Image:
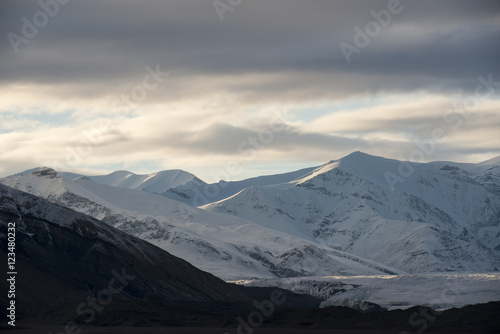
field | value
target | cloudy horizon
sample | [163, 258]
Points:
[269, 86]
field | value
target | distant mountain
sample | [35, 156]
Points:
[227, 246]
[199, 193]
[361, 214]
[416, 217]
[155, 182]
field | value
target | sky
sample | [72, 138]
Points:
[239, 88]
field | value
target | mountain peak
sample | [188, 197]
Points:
[363, 165]
[355, 156]
[356, 153]
[359, 156]
[46, 172]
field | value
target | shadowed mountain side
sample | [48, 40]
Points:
[65, 259]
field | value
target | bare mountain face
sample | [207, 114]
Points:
[73, 267]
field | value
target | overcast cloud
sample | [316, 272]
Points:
[271, 68]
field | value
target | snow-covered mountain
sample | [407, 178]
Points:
[199, 193]
[227, 246]
[155, 182]
[361, 215]
[416, 217]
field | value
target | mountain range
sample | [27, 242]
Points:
[443, 216]
[358, 215]
[229, 247]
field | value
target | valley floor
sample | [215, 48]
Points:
[480, 318]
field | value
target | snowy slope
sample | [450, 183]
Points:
[155, 183]
[65, 258]
[486, 173]
[342, 217]
[440, 217]
[224, 245]
[438, 291]
[198, 193]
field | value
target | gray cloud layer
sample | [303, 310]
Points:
[282, 53]
[429, 45]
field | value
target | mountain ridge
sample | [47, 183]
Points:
[227, 246]
[443, 216]
[438, 209]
